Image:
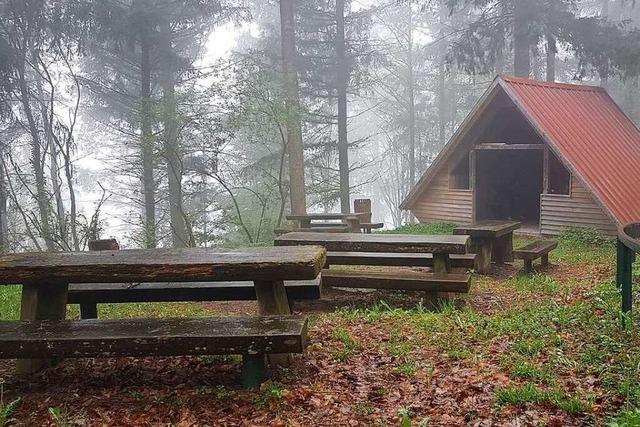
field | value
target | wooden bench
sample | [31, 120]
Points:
[538, 249]
[45, 279]
[338, 228]
[396, 250]
[393, 259]
[91, 294]
[367, 227]
[253, 338]
[406, 280]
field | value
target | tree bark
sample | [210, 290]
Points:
[295, 148]
[42, 197]
[172, 150]
[551, 58]
[4, 227]
[147, 143]
[342, 80]
[411, 98]
[521, 39]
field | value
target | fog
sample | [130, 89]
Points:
[204, 123]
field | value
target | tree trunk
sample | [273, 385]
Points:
[551, 58]
[42, 197]
[4, 227]
[342, 80]
[147, 144]
[411, 97]
[295, 147]
[521, 39]
[172, 151]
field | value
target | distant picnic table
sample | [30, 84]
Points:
[45, 278]
[491, 241]
[351, 222]
[396, 250]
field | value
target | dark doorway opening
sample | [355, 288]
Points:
[508, 185]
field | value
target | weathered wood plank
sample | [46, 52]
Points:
[535, 249]
[400, 243]
[182, 292]
[395, 259]
[157, 337]
[487, 229]
[405, 280]
[163, 265]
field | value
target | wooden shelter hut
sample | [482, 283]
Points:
[550, 155]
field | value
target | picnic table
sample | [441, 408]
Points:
[306, 221]
[491, 241]
[45, 278]
[363, 246]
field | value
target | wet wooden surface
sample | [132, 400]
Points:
[181, 292]
[162, 265]
[157, 337]
[398, 243]
[487, 229]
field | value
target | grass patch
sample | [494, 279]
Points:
[529, 394]
[431, 228]
[349, 345]
[10, 302]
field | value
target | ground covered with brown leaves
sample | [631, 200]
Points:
[540, 350]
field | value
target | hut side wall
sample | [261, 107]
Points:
[439, 203]
[578, 210]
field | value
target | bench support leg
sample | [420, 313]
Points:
[253, 370]
[272, 301]
[528, 266]
[89, 310]
[44, 302]
[441, 264]
[544, 260]
[483, 250]
[503, 249]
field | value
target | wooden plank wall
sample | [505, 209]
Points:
[439, 203]
[580, 210]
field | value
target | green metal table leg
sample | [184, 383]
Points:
[625, 258]
[253, 370]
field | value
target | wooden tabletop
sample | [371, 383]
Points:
[163, 265]
[400, 243]
[323, 216]
[488, 229]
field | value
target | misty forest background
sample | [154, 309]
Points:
[204, 122]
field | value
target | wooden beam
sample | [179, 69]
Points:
[505, 146]
[545, 171]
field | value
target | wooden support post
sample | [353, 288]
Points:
[441, 265]
[483, 248]
[503, 249]
[528, 266]
[272, 301]
[544, 260]
[253, 370]
[354, 224]
[88, 310]
[41, 302]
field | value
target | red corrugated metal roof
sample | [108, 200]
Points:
[591, 133]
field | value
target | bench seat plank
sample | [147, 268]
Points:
[535, 250]
[393, 259]
[182, 292]
[155, 337]
[400, 280]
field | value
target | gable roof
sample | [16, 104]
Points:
[584, 127]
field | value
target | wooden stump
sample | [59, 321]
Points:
[41, 303]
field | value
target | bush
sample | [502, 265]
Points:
[585, 236]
